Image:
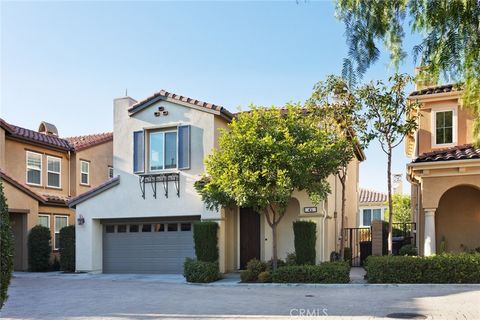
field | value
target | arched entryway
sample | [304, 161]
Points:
[457, 220]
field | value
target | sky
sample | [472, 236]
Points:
[65, 62]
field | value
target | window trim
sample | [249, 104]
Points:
[382, 214]
[48, 217]
[150, 132]
[41, 168]
[436, 110]
[55, 247]
[59, 173]
[87, 173]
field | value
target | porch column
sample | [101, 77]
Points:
[429, 233]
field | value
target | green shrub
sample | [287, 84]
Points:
[39, 249]
[280, 263]
[6, 248]
[256, 267]
[408, 250]
[206, 240]
[200, 271]
[305, 238]
[347, 255]
[291, 259]
[445, 268]
[326, 272]
[67, 249]
[264, 277]
[247, 276]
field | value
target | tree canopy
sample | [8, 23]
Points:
[450, 46]
[401, 208]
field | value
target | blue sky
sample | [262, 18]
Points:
[65, 62]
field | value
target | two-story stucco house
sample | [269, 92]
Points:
[40, 172]
[141, 220]
[444, 172]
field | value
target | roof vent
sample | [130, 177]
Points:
[48, 128]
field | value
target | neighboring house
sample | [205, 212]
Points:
[371, 206]
[40, 171]
[444, 172]
[141, 220]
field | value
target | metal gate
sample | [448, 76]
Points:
[359, 240]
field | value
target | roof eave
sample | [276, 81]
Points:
[72, 203]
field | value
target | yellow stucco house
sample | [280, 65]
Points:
[40, 172]
[444, 172]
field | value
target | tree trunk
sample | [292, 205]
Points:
[390, 203]
[342, 178]
[274, 246]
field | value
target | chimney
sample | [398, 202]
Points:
[48, 129]
[422, 79]
[122, 133]
[397, 183]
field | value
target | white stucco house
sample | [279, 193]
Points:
[140, 221]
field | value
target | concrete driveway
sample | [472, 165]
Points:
[55, 296]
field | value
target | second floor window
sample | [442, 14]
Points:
[368, 215]
[163, 150]
[84, 172]
[53, 171]
[34, 168]
[444, 127]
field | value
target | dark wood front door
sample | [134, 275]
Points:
[249, 236]
[17, 223]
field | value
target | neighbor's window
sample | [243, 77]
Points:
[444, 127]
[34, 168]
[371, 214]
[163, 150]
[84, 172]
[44, 220]
[53, 171]
[60, 222]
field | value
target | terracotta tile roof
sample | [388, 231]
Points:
[56, 199]
[162, 94]
[37, 137]
[463, 152]
[6, 126]
[87, 141]
[369, 196]
[437, 89]
[22, 186]
[94, 191]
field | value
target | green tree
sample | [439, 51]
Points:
[335, 106]
[402, 208]
[264, 156]
[450, 43]
[6, 248]
[386, 110]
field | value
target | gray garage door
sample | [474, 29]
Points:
[139, 247]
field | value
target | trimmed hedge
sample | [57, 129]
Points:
[326, 272]
[253, 270]
[347, 255]
[67, 249]
[206, 240]
[445, 268]
[6, 248]
[200, 271]
[408, 250]
[305, 237]
[39, 249]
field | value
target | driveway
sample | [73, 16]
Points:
[55, 296]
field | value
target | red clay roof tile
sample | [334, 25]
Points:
[368, 196]
[463, 152]
[87, 141]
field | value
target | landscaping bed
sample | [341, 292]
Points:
[445, 268]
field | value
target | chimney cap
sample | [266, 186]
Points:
[48, 128]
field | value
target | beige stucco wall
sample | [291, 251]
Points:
[15, 165]
[19, 201]
[2, 148]
[464, 124]
[100, 157]
[457, 219]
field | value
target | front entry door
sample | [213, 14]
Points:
[249, 236]
[16, 221]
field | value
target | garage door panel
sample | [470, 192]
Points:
[146, 252]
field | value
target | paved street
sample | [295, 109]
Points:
[55, 296]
